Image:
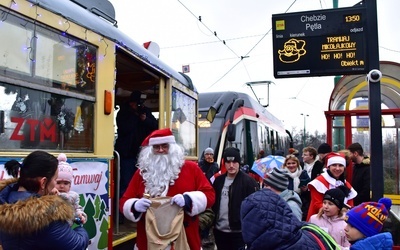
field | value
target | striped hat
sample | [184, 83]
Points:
[368, 217]
[278, 179]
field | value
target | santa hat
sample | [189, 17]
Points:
[64, 169]
[158, 137]
[335, 158]
[368, 217]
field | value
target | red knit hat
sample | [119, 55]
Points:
[160, 136]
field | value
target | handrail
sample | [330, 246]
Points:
[117, 173]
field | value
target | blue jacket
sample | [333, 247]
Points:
[269, 223]
[382, 241]
[30, 221]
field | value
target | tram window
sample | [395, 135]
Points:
[42, 55]
[183, 121]
[40, 120]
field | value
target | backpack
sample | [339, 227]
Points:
[324, 240]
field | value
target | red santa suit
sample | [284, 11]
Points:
[323, 183]
[191, 182]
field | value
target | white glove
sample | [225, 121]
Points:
[142, 205]
[178, 200]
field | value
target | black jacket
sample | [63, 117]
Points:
[132, 131]
[242, 186]
[361, 181]
[209, 169]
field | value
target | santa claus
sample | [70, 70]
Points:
[163, 172]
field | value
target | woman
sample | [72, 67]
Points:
[292, 164]
[331, 178]
[31, 217]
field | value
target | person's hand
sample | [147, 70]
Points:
[143, 116]
[303, 188]
[142, 205]
[83, 219]
[54, 191]
[178, 200]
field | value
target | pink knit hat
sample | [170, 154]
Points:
[64, 169]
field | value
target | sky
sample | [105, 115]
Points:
[245, 26]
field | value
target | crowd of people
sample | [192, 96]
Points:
[181, 204]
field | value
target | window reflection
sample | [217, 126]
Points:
[39, 120]
[183, 121]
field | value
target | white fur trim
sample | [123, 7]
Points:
[321, 188]
[199, 202]
[161, 140]
[127, 210]
[336, 160]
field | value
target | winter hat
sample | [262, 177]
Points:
[136, 96]
[335, 158]
[159, 136]
[324, 148]
[232, 154]
[278, 179]
[336, 196]
[368, 217]
[209, 151]
[304, 178]
[64, 169]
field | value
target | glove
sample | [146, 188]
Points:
[178, 200]
[142, 205]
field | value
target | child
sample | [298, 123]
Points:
[331, 216]
[364, 224]
[63, 186]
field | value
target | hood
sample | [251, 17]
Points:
[33, 214]
[291, 195]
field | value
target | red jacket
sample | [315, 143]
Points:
[319, 186]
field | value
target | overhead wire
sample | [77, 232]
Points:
[213, 32]
[247, 54]
[210, 42]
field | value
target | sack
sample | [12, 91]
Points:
[323, 238]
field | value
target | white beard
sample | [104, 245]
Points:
[160, 170]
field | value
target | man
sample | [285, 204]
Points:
[278, 181]
[163, 172]
[361, 178]
[310, 162]
[207, 165]
[313, 167]
[323, 150]
[231, 189]
[209, 168]
[134, 122]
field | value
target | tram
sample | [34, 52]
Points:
[65, 68]
[236, 119]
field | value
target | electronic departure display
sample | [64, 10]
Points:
[320, 43]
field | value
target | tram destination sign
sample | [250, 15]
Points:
[320, 43]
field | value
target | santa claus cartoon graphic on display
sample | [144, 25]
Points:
[166, 194]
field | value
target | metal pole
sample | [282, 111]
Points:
[375, 119]
[304, 130]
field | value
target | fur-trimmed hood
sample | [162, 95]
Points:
[31, 214]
